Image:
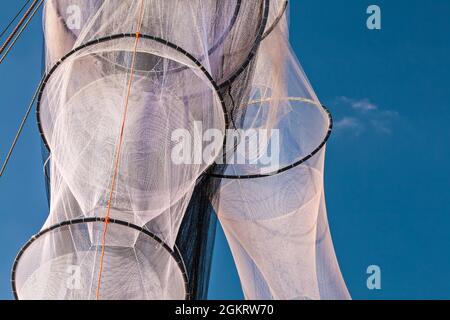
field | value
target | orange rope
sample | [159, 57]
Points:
[119, 147]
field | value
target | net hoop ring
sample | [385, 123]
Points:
[297, 163]
[254, 50]
[175, 254]
[46, 78]
[277, 20]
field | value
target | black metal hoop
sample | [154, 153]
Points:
[295, 164]
[174, 253]
[47, 77]
[276, 21]
[261, 35]
[254, 49]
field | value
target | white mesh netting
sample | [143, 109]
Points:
[274, 213]
[122, 77]
[55, 265]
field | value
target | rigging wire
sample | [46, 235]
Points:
[22, 29]
[19, 24]
[14, 19]
[28, 16]
[19, 132]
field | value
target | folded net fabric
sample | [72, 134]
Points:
[161, 61]
[126, 220]
[272, 207]
[220, 34]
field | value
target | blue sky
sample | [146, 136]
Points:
[387, 176]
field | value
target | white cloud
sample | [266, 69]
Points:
[348, 123]
[362, 114]
[360, 105]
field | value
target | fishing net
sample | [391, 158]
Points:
[270, 201]
[130, 89]
[55, 264]
[220, 34]
[81, 112]
[81, 107]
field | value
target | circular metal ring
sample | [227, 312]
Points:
[47, 77]
[295, 164]
[174, 253]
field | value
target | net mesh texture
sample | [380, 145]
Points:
[125, 221]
